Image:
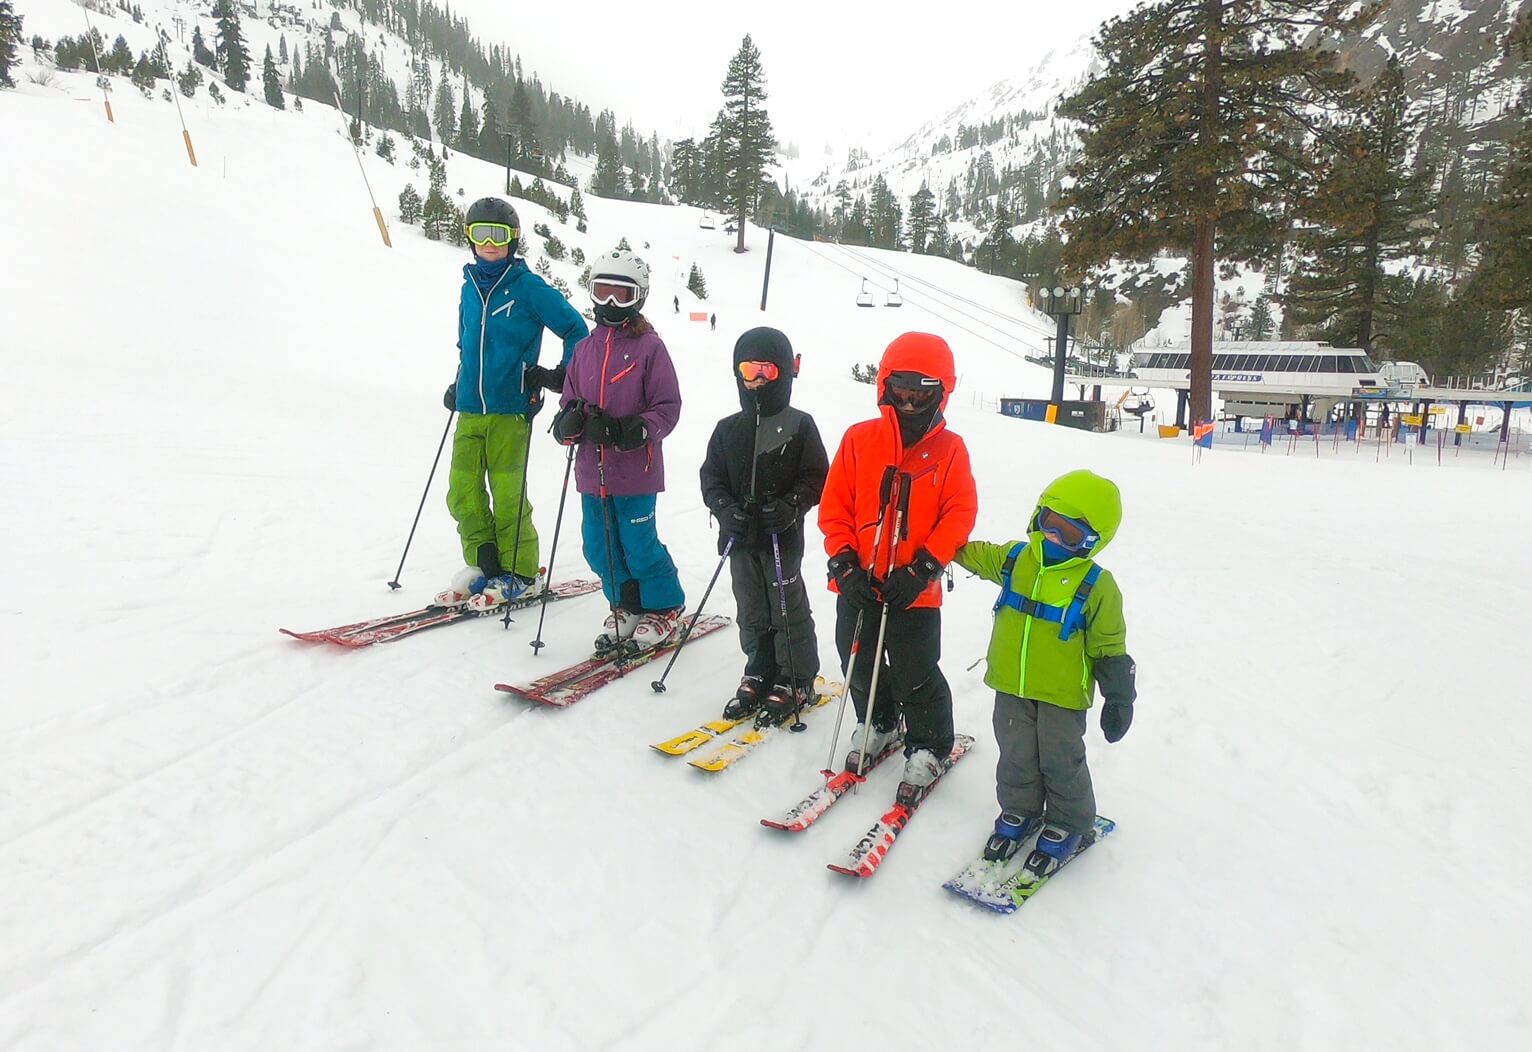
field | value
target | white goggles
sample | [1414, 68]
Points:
[613, 292]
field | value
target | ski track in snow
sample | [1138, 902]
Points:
[212, 836]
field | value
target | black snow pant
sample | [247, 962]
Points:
[911, 683]
[759, 610]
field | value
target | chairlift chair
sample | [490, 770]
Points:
[894, 299]
[864, 298]
[706, 222]
[1143, 402]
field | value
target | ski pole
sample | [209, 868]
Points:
[787, 635]
[558, 524]
[658, 686]
[884, 492]
[521, 510]
[877, 654]
[394, 584]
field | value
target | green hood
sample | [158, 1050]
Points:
[1081, 495]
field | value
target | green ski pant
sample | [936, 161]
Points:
[494, 447]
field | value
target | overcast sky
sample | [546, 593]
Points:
[848, 74]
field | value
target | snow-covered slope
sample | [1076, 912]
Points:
[223, 398]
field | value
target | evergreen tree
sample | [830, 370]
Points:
[697, 283]
[1503, 279]
[120, 60]
[745, 138]
[577, 205]
[189, 79]
[200, 51]
[884, 214]
[922, 218]
[437, 213]
[446, 110]
[1365, 212]
[519, 123]
[10, 32]
[272, 82]
[468, 125]
[609, 179]
[282, 49]
[409, 204]
[1187, 136]
[231, 45]
[491, 146]
[143, 75]
[1261, 322]
[385, 147]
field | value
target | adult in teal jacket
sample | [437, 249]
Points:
[502, 313]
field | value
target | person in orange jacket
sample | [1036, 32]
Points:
[902, 472]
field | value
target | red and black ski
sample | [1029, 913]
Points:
[565, 687]
[397, 626]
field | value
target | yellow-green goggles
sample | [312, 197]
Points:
[497, 234]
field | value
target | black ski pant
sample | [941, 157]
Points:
[759, 611]
[911, 683]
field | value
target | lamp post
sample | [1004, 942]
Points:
[1061, 301]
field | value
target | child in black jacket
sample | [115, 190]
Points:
[765, 467]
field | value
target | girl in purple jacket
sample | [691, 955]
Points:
[620, 400]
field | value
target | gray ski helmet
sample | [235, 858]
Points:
[494, 210]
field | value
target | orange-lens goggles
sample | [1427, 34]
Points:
[759, 370]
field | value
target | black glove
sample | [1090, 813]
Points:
[535, 406]
[734, 521]
[847, 573]
[779, 515]
[905, 584]
[1116, 676]
[449, 399]
[535, 378]
[569, 427]
[632, 432]
[1116, 718]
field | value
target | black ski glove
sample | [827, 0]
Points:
[569, 426]
[779, 515]
[905, 584]
[847, 573]
[632, 432]
[535, 378]
[734, 521]
[1115, 675]
[449, 398]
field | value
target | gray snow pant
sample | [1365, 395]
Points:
[1042, 768]
[759, 610]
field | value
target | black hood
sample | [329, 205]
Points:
[765, 345]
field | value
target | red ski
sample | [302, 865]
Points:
[875, 845]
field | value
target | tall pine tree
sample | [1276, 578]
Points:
[231, 45]
[446, 111]
[1503, 279]
[10, 32]
[922, 219]
[271, 81]
[1187, 136]
[745, 139]
[1368, 209]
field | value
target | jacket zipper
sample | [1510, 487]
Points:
[483, 324]
[1026, 638]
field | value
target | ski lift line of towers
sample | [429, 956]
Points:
[1257, 379]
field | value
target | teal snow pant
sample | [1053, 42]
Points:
[492, 448]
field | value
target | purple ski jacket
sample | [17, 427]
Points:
[626, 375]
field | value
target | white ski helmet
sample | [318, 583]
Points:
[622, 268]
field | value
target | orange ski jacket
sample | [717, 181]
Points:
[934, 472]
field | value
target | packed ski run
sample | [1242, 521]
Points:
[249, 843]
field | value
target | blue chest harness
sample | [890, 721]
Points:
[1070, 619]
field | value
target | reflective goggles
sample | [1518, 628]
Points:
[913, 399]
[758, 371]
[1073, 535]
[497, 234]
[611, 292]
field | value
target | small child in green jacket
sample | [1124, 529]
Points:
[1059, 633]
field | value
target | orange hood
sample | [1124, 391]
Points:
[918, 352]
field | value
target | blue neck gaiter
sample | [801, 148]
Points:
[486, 274]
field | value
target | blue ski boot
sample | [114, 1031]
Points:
[1054, 848]
[1011, 831]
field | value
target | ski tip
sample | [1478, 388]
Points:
[845, 871]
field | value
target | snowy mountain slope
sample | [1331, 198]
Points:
[221, 414]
